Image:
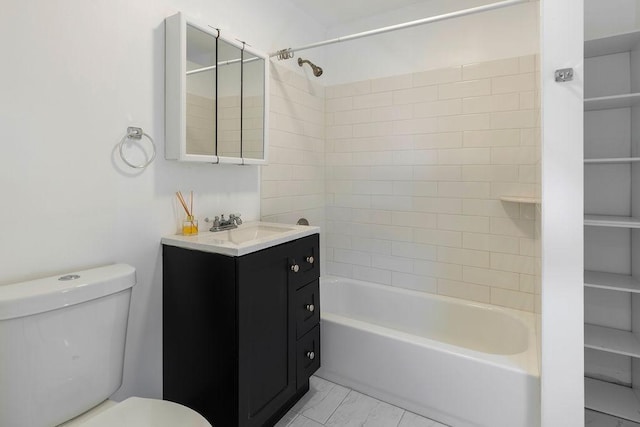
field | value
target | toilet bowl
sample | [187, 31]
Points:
[139, 412]
[62, 342]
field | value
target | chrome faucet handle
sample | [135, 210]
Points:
[236, 218]
[216, 221]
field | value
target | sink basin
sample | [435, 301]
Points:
[248, 237]
[253, 231]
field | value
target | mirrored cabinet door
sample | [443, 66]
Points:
[216, 100]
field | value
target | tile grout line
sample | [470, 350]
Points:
[339, 404]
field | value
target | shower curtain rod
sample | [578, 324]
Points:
[288, 53]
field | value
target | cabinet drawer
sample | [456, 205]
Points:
[307, 308]
[308, 355]
[304, 261]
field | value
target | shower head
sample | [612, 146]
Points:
[317, 71]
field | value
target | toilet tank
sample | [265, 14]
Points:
[62, 342]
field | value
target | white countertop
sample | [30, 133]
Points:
[221, 242]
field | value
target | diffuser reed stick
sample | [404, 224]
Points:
[190, 225]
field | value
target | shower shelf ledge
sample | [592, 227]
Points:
[520, 199]
[612, 399]
[611, 281]
[611, 340]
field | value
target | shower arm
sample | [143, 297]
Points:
[288, 52]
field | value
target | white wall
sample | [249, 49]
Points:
[562, 216]
[74, 75]
[609, 17]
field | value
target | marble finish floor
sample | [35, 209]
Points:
[597, 419]
[330, 405]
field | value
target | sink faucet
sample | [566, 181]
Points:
[220, 223]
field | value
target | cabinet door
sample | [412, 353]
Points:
[304, 260]
[267, 365]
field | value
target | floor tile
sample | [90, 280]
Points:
[359, 410]
[596, 419]
[322, 399]
[409, 419]
[287, 420]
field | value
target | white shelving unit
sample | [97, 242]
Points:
[612, 328]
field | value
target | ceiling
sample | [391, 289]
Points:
[337, 12]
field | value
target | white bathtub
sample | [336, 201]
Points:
[458, 362]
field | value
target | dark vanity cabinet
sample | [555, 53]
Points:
[241, 335]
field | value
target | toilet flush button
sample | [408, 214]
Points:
[69, 277]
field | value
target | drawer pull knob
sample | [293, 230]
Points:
[295, 268]
[311, 355]
[310, 259]
[310, 307]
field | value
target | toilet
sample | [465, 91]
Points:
[62, 343]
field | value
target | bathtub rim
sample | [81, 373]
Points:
[525, 362]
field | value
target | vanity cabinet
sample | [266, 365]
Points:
[241, 334]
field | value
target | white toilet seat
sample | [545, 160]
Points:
[139, 412]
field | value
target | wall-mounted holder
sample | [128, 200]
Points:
[564, 75]
[136, 133]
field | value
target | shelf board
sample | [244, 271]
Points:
[613, 160]
[611, 221]
[617, 43]
[609, 102]
[611, 281]
[611, 399]
[611, 340]
[519, 199]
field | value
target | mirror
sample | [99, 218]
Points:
[216, 96]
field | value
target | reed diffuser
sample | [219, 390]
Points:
[190, 224]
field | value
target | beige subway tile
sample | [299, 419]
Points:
[438, 140]
[365, 130]
[392, 173]
[372, 158]
[491, 243]
[527, 64]
[307, 173]
[527, 246]
[274, 172]
[390, 202]
[437, 269]
[530, 137]
[340, 269]
[349, 172]
[414, 219]
[527, 100]
[464, 122]
[415, 188]
[340, 241]
[393, 263]
[352, 201]
[373, 100]
[493, 278]
[489, 173]
[352, 117]
[499, 189]
[348, 89]
[526, 155]
[499, 67]
[437, 173]
[476, 224]
[339, 104]
[513, 263]
[371, 216]
[374, 246]
[415, 126]
[276, 205]
[464, 156]
[333, 159]
[386, 84]
[340, 131]
[375, 275]
[463, 290]
[414, 282]
[446, 107]
[415, 95]
[464, 89]
[512, 227]
[339, 187]
[438, 237]
[491, 138]
[352, 257]
[513, 119]
[527, 283]
[492, 103]
[527, 174]
[464, 190]
[415, 157]
[394, 112]
[463, 256]
[392, 232]
[527, 211]
[517, 83]
[414, 250]
[372, 187]
[437, 205]
[486, 207]
[437, 76]
[512, 299]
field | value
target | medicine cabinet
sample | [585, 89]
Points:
[216, 100]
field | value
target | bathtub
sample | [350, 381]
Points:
[457, 362]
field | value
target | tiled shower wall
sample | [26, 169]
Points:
[416, 165]
[405, 175]
[293, 183]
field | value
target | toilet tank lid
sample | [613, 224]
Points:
[50, 293]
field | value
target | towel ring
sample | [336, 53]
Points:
[137, 133]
